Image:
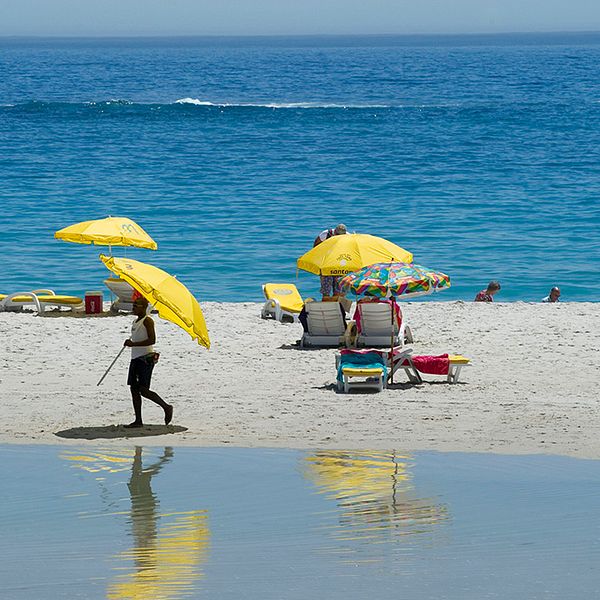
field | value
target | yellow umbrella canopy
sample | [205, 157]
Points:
[112, 231]
[343, 254]
[169, 296]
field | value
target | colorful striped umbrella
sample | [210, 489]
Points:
[390, 280]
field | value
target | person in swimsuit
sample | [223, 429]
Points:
[487, 295]
[143, 336]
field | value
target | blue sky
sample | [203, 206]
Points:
[293, 17]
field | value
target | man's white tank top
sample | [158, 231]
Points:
[138, 334]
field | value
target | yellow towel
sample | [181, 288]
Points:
[458, 359]
[352, 372]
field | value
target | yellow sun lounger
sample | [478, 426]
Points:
[283, 302]
[373, 377]
[39, 300]
[457, 362]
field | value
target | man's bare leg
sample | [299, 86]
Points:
[158, 400]
[136, 398]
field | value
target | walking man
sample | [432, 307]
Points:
[143, 336]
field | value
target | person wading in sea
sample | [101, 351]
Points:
[143, 336]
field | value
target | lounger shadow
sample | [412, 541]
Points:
[117, 431]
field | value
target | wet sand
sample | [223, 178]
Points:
[532, 387]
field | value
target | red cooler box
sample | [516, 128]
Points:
[93, 302]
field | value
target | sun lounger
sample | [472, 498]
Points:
[326, 325]
[283, 302]
[449, 365]
[457, 362]
[366, 368]
[376, 326]
[123, 292]
[38, 300]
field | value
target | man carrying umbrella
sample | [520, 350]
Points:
[143, 336]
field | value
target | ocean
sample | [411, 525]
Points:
[479, 154]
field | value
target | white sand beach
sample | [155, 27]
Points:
[532, 386]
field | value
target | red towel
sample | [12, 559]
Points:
[434, 365]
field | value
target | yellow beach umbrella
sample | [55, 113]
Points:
[173, 301]
[343, 254]
[112, 231]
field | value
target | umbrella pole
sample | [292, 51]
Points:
[392, 307]
[111, 366]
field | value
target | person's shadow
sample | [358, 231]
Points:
[117, 431]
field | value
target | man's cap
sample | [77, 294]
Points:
[340, 229]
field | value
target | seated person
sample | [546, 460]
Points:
[487, 295]
[303, 317]
[553, 296]
[397, 311]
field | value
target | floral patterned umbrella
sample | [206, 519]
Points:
[390, 280]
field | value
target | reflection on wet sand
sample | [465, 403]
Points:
[375, 496]
[168, 548]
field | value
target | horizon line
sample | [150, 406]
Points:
[295, 35]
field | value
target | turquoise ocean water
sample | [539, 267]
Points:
[481, 155]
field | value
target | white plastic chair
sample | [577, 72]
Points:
[123, 292]
[326, 324]
[376, 326]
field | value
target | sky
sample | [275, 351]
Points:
[292, 17]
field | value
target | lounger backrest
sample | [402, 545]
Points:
[286, 293]
[375, 318]
[119, 287]
[325, 318]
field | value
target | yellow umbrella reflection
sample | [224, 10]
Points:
[374, 493]
[168, 548]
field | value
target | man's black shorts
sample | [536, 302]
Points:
[140, 372]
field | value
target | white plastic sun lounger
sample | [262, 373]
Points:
[123, 292]
[38, 300]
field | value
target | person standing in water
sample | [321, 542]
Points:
[143, 336]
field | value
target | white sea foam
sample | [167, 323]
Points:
[197, 102]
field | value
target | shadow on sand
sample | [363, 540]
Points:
[117, 431]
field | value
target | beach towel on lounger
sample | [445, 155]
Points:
[361, 360]
[434, 365]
